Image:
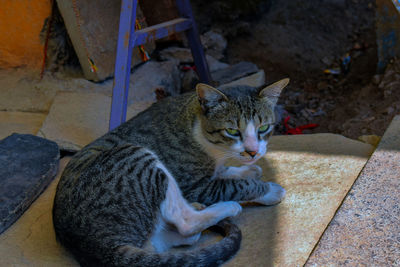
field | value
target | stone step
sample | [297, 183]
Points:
[366, 229]
[75, 118]
[316, 170]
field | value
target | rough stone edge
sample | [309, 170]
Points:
[21, 209]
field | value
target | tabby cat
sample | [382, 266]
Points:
[123, 200]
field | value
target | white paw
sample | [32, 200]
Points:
[234, 207]
[252, 172]
[274, 196]
[227, 208]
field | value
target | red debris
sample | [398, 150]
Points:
[299, 129]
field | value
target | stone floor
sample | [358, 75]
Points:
[319, 223]
[317, 171]
[366, 229]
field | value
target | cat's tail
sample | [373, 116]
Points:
[213, 255]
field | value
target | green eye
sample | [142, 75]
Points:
[263, 128]
[233, 132]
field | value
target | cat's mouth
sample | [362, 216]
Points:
[249, 161]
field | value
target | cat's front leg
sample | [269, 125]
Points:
[242, 172]
[275, 195]
[215, 190]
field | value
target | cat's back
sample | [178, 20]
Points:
[158, 123]
[168, 110]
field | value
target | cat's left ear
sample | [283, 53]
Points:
[273, 91]
[209, 96]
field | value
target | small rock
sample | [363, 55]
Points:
[356, 54]
[357, 46]
[322, 85]
[214, 44]
[184, 56]
[370, 139]
[27, 165]
[369, 119]
[389, 110]
[387, 94]
[306, 114]
[293, 108]
[318, 113]
[313, 103]
[327, 61]
[234, 72]
[376, 79]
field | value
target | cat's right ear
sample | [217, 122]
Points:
[273, 91]
[209, 96]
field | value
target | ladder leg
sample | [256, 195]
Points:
[126, 42]
[192, 35]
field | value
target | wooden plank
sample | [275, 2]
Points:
[185, 10]
[126, 41]
[162, 30]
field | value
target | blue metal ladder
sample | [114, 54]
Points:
[128, 38]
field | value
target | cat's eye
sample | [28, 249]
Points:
[233, 132]
[264, 128]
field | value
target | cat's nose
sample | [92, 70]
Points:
[252, 153]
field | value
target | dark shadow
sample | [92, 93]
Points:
[324, 143]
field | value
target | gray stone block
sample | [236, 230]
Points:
[234, 72]
[184, 55]
[153, 75]
[27, 165]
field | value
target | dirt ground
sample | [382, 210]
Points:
[301, 39]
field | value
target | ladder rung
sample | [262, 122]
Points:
[162, 30]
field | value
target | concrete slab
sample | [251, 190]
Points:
[366, 229]
[20, 122]
[20, 93]
[93, 28]
[75, 119]
[22, 90]
[317, 171]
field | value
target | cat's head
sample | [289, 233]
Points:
[236, 122]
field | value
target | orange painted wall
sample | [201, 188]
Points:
[20, 24]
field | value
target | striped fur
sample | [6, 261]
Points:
[117, 191]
